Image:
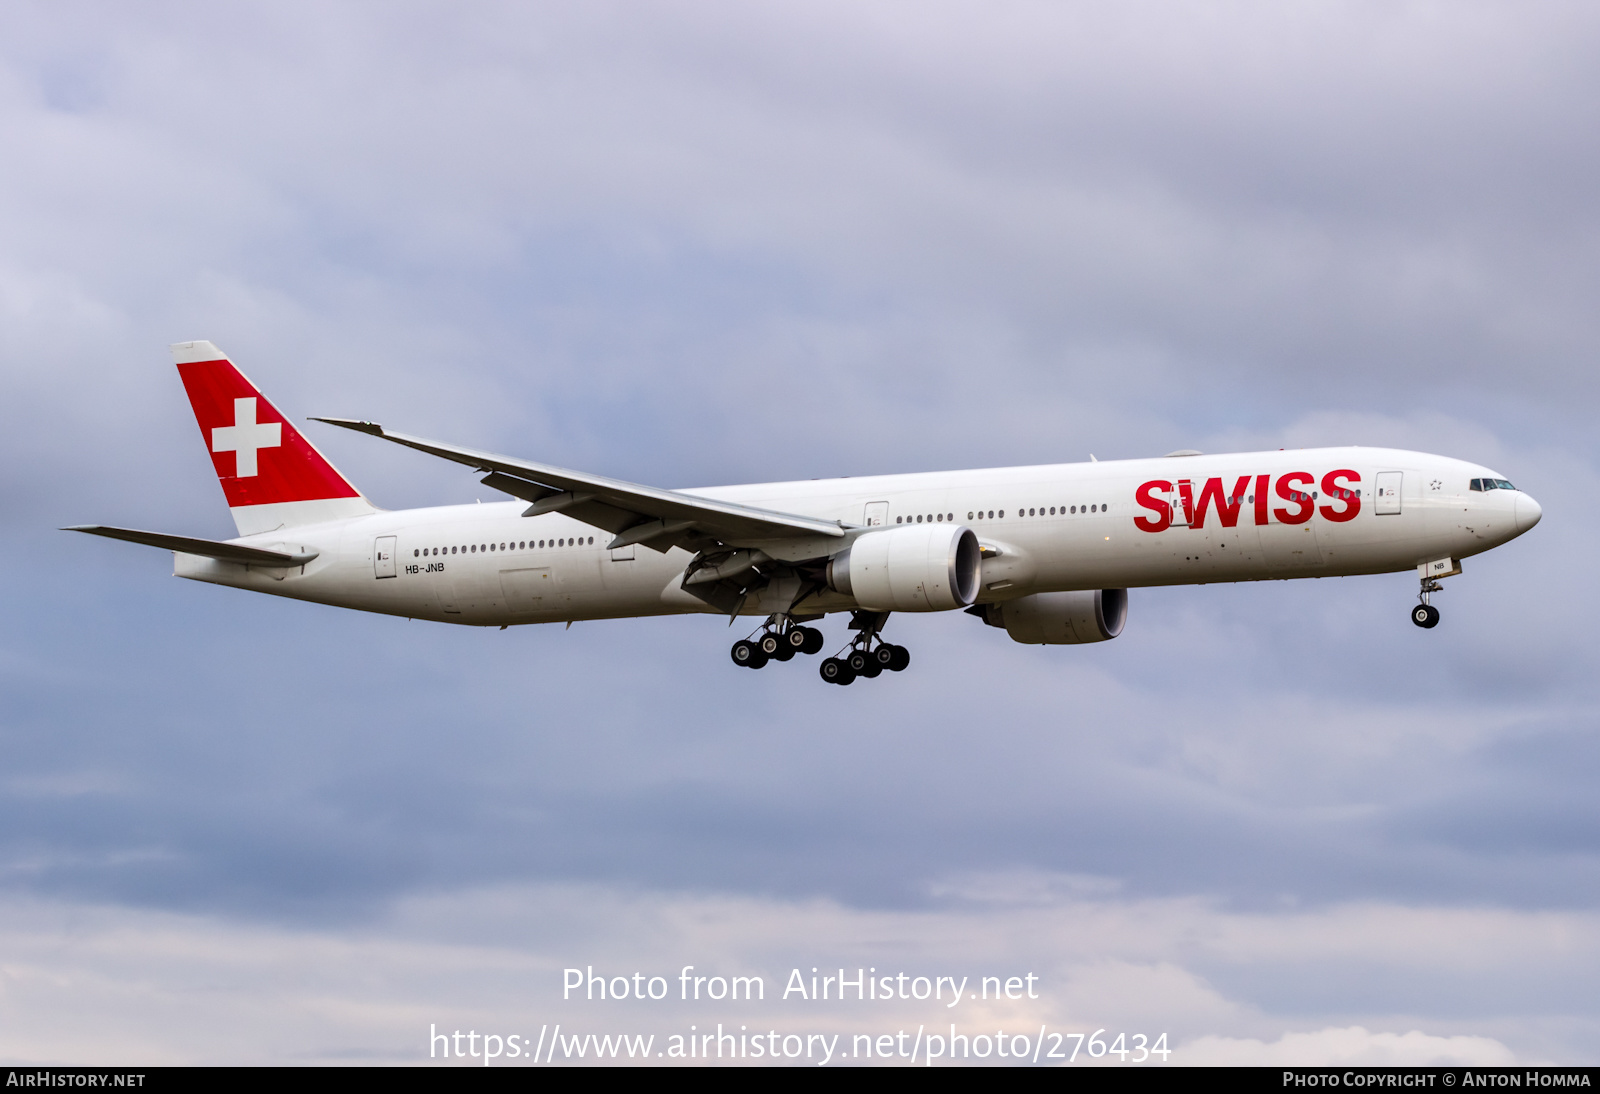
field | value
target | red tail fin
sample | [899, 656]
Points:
[270, 474]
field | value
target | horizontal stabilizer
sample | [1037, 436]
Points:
[209, 548]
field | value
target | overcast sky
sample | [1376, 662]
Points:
[701, 243]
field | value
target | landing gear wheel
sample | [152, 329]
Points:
[899, 659]
[774, 647]
[835, 671]
[864, 664]
[1425, 616]
[748, 654]
[814, 641]
[796, 638]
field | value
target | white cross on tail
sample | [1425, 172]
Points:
[245, 437]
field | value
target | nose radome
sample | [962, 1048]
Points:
[1528, 512]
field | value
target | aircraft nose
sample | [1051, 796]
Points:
[1528, 512]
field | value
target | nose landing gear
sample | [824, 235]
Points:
[1425, 615]
[862, 657]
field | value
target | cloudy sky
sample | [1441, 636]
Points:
[702, 243]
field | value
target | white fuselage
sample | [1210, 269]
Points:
[487, 565]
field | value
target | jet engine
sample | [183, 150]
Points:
[915, 568]
[1093, 615]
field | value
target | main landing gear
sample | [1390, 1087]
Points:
[1425, 615]
[862, 657]
[779, 640]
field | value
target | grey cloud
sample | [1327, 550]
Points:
[691, 244]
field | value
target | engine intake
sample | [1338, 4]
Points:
[916, 568]
[1057, 619]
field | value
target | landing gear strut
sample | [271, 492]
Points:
[779, 639]
[866, 655]
[1425, 615]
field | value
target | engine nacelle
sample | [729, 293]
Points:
[1056, 619]
[915, 568]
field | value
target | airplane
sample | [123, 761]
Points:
[1047, 553]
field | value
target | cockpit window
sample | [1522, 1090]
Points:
[1491, 484]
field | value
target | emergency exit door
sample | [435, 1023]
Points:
[877, 514]
[383, 557]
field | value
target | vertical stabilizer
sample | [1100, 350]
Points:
[271, 475]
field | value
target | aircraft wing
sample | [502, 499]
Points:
[658, 519]
[209, 548]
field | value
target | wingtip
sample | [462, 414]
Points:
[373, 428]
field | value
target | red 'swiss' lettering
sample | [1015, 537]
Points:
[1341, 493]
[1227, 507]
[1146, 497]
[1289, 490]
